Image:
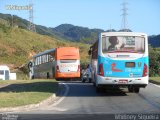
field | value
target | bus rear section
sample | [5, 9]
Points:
[67, 63]
[123, 65]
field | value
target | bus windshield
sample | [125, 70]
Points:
[111, 44]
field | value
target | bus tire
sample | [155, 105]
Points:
[94, 84]
[98, 89]
[32, 77]
[130, 89]
[136, 89]
[94, 80]
[48, 76]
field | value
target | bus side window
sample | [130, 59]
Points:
[39, 60]
[95, 51]
[42, 61]
[35, 61]
[52, 56]
[47, 58]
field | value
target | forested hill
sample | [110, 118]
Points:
[68, 32]
[77, 33]
[154, 40]
[63, 31]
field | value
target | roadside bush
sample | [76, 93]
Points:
[154, 62]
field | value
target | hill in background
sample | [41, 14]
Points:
[154, 40]
[64, 31]
[67, 31]
[77, 33]
[17, 45]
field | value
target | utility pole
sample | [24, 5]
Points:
[12, 21]
[124, 15]
[31, 26]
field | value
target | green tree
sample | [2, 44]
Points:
[154, 62]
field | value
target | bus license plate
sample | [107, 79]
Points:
[123, 81]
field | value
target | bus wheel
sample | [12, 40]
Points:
[94, 84]
[32, 77]
[130, 89]
[136, 89]
[99, 89]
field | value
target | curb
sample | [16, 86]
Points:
[28, 107]
[1, 86]
[154, 82]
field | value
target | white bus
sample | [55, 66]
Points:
[120, 59]
[4, 72]
[62, 62]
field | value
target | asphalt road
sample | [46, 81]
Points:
[81, 98]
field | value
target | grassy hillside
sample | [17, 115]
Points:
[17, 45]
[64, 31]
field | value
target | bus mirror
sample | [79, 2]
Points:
[30, 64]
[89, 52]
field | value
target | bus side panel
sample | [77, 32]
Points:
[94, 69]
[44, 70]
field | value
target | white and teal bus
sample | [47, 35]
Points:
[120, 59]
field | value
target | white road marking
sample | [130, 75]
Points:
[59, 109]
[64, 95]
[155, 85]
[54, 109]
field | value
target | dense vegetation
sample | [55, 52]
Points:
[154, 61]
[78, 34]
[154, 40]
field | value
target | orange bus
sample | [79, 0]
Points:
[62, 62]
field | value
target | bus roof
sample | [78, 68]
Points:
[123, 33]
[43, 53]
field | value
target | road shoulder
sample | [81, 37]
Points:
[154, 82]
[53, 100]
